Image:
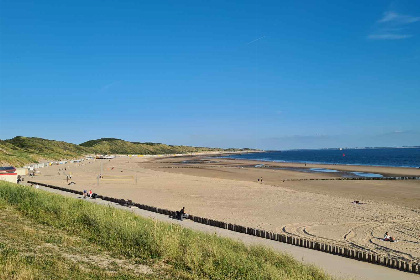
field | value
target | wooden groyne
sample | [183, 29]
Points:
[316, 179]
[358, 178]
[356, 254]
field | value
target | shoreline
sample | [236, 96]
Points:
[320, 162]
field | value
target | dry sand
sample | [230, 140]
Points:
[228, 190]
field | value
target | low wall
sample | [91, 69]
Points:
[9, 177]
[280, 237]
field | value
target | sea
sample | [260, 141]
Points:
[395, 157]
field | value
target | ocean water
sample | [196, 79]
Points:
[398, 157]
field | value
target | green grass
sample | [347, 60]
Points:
[29, 250]
[178, 252]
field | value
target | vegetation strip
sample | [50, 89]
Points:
[189, 254]
[297, 241]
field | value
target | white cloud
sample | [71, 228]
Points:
[398, 18]
[388, 16]
[253, 41]
[107, 86]
[389, 36]
[392, 26]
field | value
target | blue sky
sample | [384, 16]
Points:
[259, 74]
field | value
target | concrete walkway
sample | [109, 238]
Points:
[336, 266]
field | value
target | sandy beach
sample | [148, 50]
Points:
[228, 190]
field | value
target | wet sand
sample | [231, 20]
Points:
[228, 190]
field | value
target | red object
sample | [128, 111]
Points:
[344, 155]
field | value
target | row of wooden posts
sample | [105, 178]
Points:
[327, 179]
[358, 178]
[280, 237]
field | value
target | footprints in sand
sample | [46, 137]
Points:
[367, 236]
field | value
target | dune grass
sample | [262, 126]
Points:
[29, 250]
[183, 253]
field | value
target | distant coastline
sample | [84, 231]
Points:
[347, 148]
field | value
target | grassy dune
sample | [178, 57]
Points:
[118, 146]
[20, 150]
[162, 250]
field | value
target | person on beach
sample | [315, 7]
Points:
[261, 180]
[180, 215]
[387, 237]
[90, 193]
[84, 193]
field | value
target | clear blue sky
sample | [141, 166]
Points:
[264, 74]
